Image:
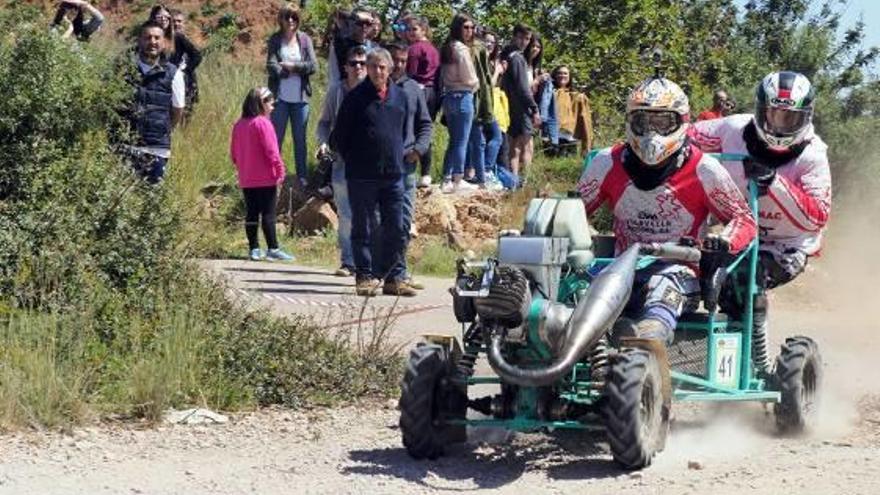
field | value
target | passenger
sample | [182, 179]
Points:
[789, 163]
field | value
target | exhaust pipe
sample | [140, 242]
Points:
[593, 316]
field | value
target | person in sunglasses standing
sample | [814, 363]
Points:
[660, 188]
[290, 60]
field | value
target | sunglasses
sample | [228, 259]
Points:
[469, 27]
[364, 23]
[356, 63]
[292, 18]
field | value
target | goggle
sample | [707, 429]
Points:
[643, 122]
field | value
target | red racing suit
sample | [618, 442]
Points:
[793, 213]
[677, 208]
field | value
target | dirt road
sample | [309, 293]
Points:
[357, 450]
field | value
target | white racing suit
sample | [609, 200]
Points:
[676, 208]
[792, 214]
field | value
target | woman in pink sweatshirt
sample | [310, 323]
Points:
[254, 150]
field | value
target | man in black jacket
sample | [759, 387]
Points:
[369, 134]
[524, 114]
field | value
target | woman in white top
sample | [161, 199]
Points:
[290, 61]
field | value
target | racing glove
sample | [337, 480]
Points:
[762, 174]
[714, 258]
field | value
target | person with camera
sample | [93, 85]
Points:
[722, 106]
[70, 20]
[789, 163]
[355, 73]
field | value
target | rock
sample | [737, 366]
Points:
[314, 216]
[636, 475]
[696, 465]
[196, 416]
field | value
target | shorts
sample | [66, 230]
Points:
[520, 123]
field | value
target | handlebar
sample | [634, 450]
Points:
[671, 251]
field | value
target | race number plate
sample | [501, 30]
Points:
[726, 368]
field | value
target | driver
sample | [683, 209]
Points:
[789, 163]
[661, 188]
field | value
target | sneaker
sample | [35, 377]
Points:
[256, 254]
[343, 271]
[448, 187]
[366, 287]
[278, 255]
[464, 186]
[400, 288]
[414, 284]
[425, 181]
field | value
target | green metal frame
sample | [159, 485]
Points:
[686, 387]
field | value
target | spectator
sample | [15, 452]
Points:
[573, 107]
[484, 120]
[423, 64]
[375, 32]
[369, 133]
[355, 72]
[162, 16]
[460, 82]
[290, 60]
[70, 20]
[542, 89]
[524, 115]
[722, 106]
[361, 26]
[187, 58]
[254, 151]
[157, 105]
[339, 28]
[417, 138]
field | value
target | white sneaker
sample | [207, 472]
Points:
[448, 187]
[464, 186]
[425, 181]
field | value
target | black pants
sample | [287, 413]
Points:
[433, 107]
[260, 202]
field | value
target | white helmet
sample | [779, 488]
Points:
[784, 109]
[657, 113]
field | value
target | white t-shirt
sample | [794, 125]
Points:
[290, 88]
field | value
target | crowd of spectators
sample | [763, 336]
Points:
[376, 124]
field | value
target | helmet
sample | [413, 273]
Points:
[657, 113]
[784, 109]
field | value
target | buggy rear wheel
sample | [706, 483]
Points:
[798, 376]
[636, 418]
[428, 398]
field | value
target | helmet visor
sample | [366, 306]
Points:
[644, 122]
[784, 121]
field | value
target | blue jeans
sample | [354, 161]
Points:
[492, 135]
[298, 115]
[386, 196]
[476, 156]
[458, 107]
[547, 109]
[149, 167]
[343, 211]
